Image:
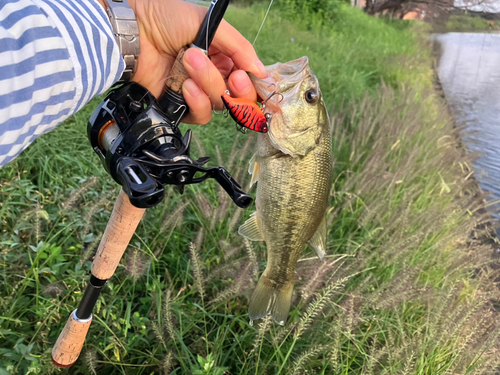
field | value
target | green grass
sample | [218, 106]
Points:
[463, 22]
[406, 287]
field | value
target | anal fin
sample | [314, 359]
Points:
[318, 240]
[250, 229]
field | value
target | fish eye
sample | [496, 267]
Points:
[311, 96]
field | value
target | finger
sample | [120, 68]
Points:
[205, 74]
[240, 86]
[223, 63]
[200, 107]
[231, 43]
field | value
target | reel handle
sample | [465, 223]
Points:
[119, 231]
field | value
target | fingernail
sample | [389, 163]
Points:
[262, 68]
[241, 82]
[191, 87]
[195, 59]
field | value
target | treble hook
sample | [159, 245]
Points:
[222, 112]
[241, 129]
[271, 95]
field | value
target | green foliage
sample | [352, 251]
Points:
[406, 286]
[351, 55]
[316, 12]
[207, 366]
[244, 3]
[463, 22]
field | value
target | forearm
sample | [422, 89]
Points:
[56, 56]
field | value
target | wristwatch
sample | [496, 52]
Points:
[126, 30]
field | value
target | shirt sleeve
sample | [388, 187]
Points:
[55, 55]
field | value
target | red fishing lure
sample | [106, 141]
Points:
[246, 113]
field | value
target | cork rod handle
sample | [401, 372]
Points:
[70, 342]
[119, 231]
[178, 74]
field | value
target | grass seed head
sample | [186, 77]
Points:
[264, 327]
[199, 146]
[316, 279]
[174, 218]
[302, 359]
[197, 267]
[137, 264]
[223, 208]
[92, 210]
[167, 314]
[234, 221]
[75, 196]
[89, 251]
[242, 283]
[167, 364]
[253, 257]
[90, 359]
[204, 205]
[159, 334]
[315, 307]
[53, 289]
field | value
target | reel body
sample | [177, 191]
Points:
[143, 149]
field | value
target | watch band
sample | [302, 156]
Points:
[126, 30]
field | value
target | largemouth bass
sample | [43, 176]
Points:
[293, 167]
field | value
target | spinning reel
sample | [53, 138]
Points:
[142, 148]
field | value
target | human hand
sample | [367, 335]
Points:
[165, 27]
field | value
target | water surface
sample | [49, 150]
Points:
[469, 71]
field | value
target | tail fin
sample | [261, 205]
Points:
[267, 300]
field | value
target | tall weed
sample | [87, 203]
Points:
[407, 285]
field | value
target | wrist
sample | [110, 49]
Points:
[126, 30]
[102, 4]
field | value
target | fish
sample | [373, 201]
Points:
[292, 167]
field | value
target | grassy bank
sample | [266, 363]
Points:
[465, 22]
[405, 289]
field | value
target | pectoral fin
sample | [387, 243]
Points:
[318, 240]
[254, 170]
[250, 229]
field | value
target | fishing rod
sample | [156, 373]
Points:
[139, 143]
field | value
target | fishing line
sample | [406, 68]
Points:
[263, 21]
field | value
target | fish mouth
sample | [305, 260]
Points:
[280, 79]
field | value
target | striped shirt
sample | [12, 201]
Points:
[55, 55]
